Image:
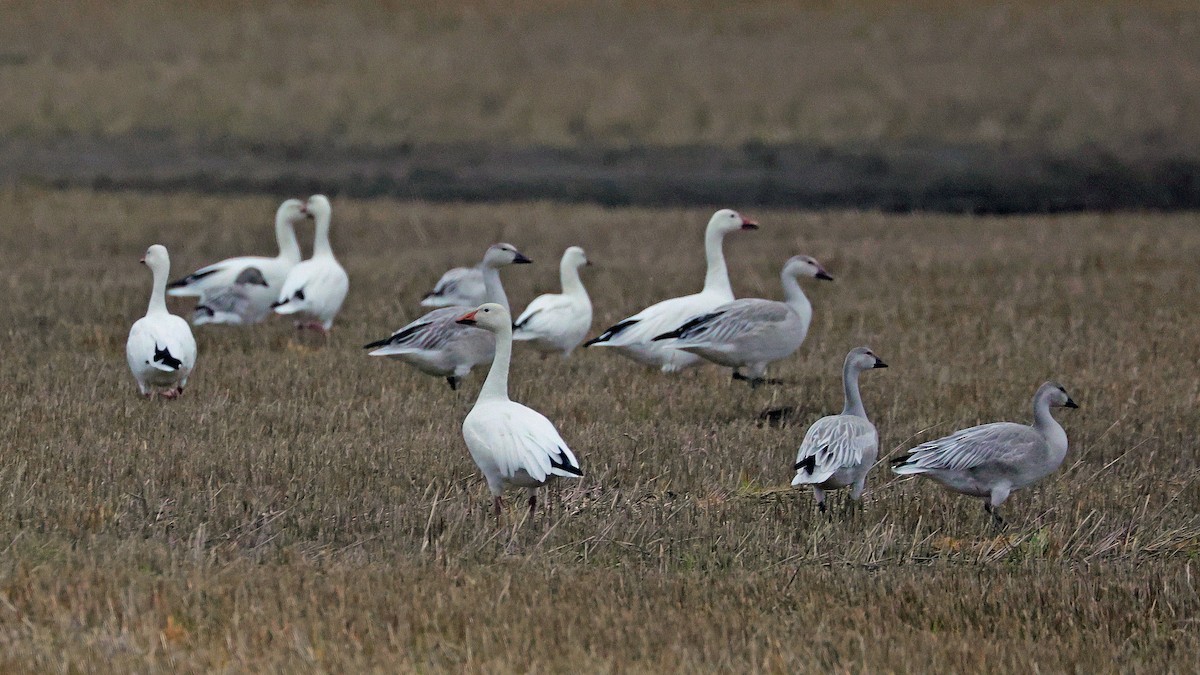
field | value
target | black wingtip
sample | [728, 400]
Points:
[278, 303]
[902, 459]
[377, 343]
[178, 283]
[164, 357]
[563, 463]
[669, 335]
[809, 464]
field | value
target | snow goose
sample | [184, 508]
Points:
[460, 286]
[511, 443]
[215, 280]
[989, 461]
[633, 337]
[751, 333]
[160, 350]
[233, 304]
[436, 344]
[839, 450]
[559, 322]
[316, 287]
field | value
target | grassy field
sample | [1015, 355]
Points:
[1115, 75]
[316, 509]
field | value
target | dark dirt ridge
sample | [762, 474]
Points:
[912, 177]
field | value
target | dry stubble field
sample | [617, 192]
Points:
[317, 509]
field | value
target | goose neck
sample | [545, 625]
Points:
[158, 293]
[795, 298]
[495, 387]
[568, 274]
[321, 246]
[716, 280]
[853, 400]
[285, 235]
[493, 288]
[1049, 427]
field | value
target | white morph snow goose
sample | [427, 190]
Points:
[751, 332]
[558, 322]
[989, 461]
[214, 280]
[317, 287]
[161, 351]
[458, 287]
[634, 337]
[511, 443]
[436, 344]
[839, 450]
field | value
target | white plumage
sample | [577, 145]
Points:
[215, 280]
[436, 344]
[513, 445]
[458, 287]
[160, 351]
[316, 288]
[558, 322]
[634, 337]
[751, 332]
[989, 461]
[839, 450]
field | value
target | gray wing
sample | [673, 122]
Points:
[832, 443]
[996, 443]
[732, 321]
[251, 276]
[432, 331]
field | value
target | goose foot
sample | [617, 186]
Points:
[453, 382]
[172, 394]
[532, 505]
[997, 521]
[496, 506]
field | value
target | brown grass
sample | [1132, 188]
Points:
[316, 509]
[1117, 75]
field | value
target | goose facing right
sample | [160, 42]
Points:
[751, 333]
[989, 461]
[512, 444]
[217, 279]
[160, 351]
[634, 337]
[436, 345]
[558, 322]
[839, 450]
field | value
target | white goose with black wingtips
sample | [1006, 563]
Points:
[161, 351]
[512, 444]
[634, 337]
[558, 322]
[316, 288]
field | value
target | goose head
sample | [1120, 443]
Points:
[317, 207]
[862, 358]
[728, 220]
[499, 255]
[291, 211]
[156, 259]
[1056, 395]
[805, 266]
[488, 316]
[575, 257]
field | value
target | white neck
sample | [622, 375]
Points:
[572, 285]
[321, 247]
[854, 404]
[1049, 428]
[717, 278]
[794, 297]
[493, 290]
[285, 234]
[495, 387]
[158, 294]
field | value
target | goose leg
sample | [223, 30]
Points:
[453, 382]
[496, 506]
[532, 502]
[171, 394]
[820, 495]
[995, 513]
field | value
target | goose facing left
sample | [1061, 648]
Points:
[219, 278]
[161, 351]
[512, 444]
[316, 288]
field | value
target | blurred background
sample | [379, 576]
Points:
[994, 107]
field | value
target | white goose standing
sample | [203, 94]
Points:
[989, 461]
[317, 287]
[511, 444]
[436, 344]
[839, 450]
[634, 337]
[214, 280]
[161, 351]
[559, 322]
[752, 332]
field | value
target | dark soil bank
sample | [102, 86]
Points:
[928, 177]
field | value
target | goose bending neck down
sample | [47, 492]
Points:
[634, 337]
[160, 351]
[839, 450]
[990, 461]
[513, 445]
